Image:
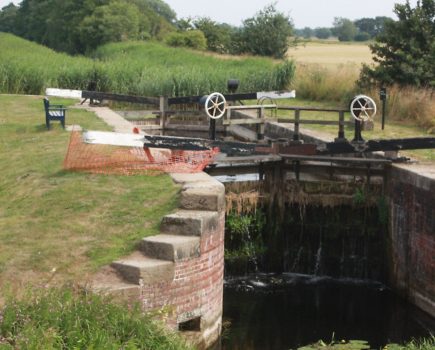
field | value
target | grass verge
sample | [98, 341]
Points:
[66, 319]
[58, 226]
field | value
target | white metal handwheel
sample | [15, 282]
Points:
[215, 105]
[363, 108]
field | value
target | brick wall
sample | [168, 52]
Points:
[197, 289]
[412, 236]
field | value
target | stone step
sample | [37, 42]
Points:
[108, 282]
[189, 222]
[199, 197]
[138, 268]
[170, 247]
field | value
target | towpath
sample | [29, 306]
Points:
[118, 123]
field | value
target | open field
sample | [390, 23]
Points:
[56, 225]
[331, 54]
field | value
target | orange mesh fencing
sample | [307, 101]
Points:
[106, 159]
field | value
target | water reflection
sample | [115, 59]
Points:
[290, 310]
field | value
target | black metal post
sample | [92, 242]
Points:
[341, 127]
[358, 136]
[212, 130]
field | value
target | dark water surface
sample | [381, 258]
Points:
[291, 310]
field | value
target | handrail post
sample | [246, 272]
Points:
[296, 130]
[163, 109]
[341, 126]
[260, 127]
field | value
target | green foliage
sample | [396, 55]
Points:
[362, 36]
[266, 34]
[405, 50]
[193, 39]
[359, 198]
[137, 68]
[116, 21]
[423, 344]
[7, 17]
[76, 26]
[307, 33]
[345, 29]
[67, 319]
[243, 235]
[218, 36]
[372, 26]
[322, 33]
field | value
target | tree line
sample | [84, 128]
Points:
[344, 29]
[80, 26]
[404, 50]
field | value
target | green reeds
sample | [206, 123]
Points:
[137, 68]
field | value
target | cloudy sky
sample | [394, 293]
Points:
[305, 13]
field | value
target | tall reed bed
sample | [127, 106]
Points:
[320, 83]
[147, 69]
[409, 104]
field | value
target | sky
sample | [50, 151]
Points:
[305, 13]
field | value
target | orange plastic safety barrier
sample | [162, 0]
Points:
[106, 159]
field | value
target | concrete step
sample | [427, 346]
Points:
[108, 282]
[171, 247]
[140, 269]
[202, 198]
[189, 222]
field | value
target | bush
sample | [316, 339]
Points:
[362, 36]
[405, 50]
[193, 39]
[64, 319]
[266, 34]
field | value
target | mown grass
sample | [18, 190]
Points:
[56, 225]
[66, 319]
[139, 68]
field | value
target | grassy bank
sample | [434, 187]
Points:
[139, 68]
[66, 319]
[56, 225]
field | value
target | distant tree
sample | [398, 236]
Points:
[116, 21]
[8, 17]
[371, 26]
[184, 24]
[162, 9]
[218, 35]
[405, 50]
[362, 36]
[193, 39]
[322, 33]
[307, 33]
[344, 29]
[266, 34]
[66, 25]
